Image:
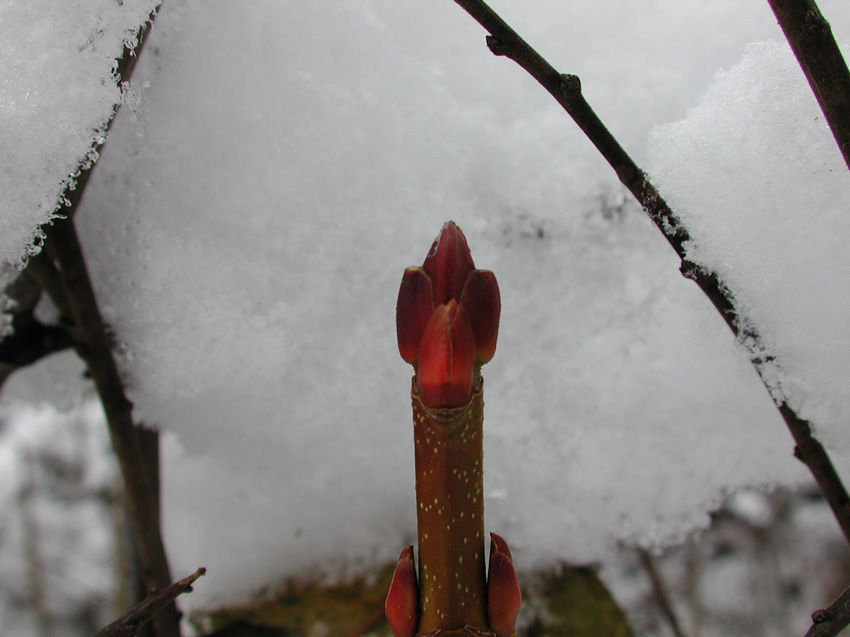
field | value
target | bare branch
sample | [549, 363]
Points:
[566, 89]
[830, 621]
[138, 616]
[93, 346]
[810, 37]
[660, 591]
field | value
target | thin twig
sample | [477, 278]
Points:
[138, 616]
[566, 89]
[830, 621]
[810, 37]
[660, 591]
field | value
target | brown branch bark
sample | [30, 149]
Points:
[566, 89]
[138, 616]
[810, 37]
[830, 621]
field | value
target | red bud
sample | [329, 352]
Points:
[448, 263]
[402, 603]
[447, 358]
[413, 309]
[503, 595]
[480, 298]
[447, 275]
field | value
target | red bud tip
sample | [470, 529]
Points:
[498, 545]
[401, 607]
[480, 298]
[448, 263]
[503, 594]
[447, 358]
[447, 275]
[413, 309]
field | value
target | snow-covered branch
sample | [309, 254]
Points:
[61, 272]
[566, 89]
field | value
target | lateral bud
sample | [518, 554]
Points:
[402, 603]
[503, 594]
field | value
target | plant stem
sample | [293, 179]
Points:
[566, 89]
[448, 445]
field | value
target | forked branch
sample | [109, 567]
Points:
[566, 89]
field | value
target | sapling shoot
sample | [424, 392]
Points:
[447, 318]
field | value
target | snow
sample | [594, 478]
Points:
[763, 189]
[57, 94]
[251, 216]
